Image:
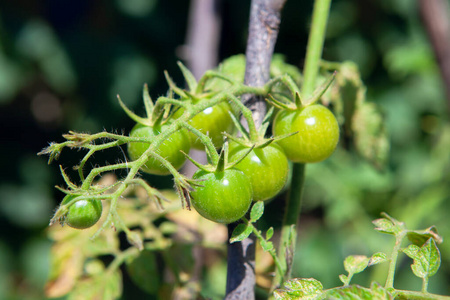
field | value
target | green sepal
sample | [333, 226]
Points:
[223, 158]
[279, 104]
[239, 126]
[318, 93]
[234, 163]
[147, 100]
[237, 140]
[132, 115]
[174, 87]
[208, 75]
[158, 114]
[197, 164]
[263, 129]
[280, 137]
[66, 179]
[268, 116]
[298, 100]
[188, 76]
[265, 143]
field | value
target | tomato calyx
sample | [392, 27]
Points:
[298, 101]
[219, 163]
[258, 139]
[78, 211]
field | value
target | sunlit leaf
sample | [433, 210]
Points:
[240, 233]
[344, 279]
[384, 225]
[427, 259]
[267, 246]
[356, 263]
[420, 237]
[269, 233]
[107, 285]
[300, 288]
[356, 292]
[257, 211]
[377, 258]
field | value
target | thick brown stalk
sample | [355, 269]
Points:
[265, 17]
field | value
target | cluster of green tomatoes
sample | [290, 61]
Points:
[242, 169]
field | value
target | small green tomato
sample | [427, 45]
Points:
[317, 137]
[224, 197]
[169, 149]
[82, 214]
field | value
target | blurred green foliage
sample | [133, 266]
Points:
[63, 62]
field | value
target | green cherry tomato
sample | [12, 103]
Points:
[169, 149]
[317, 137]
[224, 197]
[212, 121]
[267, 168]
[82, 214]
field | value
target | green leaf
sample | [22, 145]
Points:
[105, 286]
[377, 258]
[300, 288]
[427, 259]
[388, 225]
[257, 211]
[344, 279]
[143, 271]
[269, 233]
[356, 292]
[241, 232]
[411, 251]
[420, 237]
[356, 263]
[267, 246]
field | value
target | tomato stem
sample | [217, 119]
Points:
[315, 45]
[291, 215]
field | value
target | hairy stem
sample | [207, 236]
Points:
[393, 260]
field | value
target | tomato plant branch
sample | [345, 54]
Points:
[183, 185]
[265, 17]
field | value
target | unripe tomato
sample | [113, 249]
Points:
[212, 121]
[83, 213]
[224, 197]
[169, 149]
[317, 137]
[267, 168]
